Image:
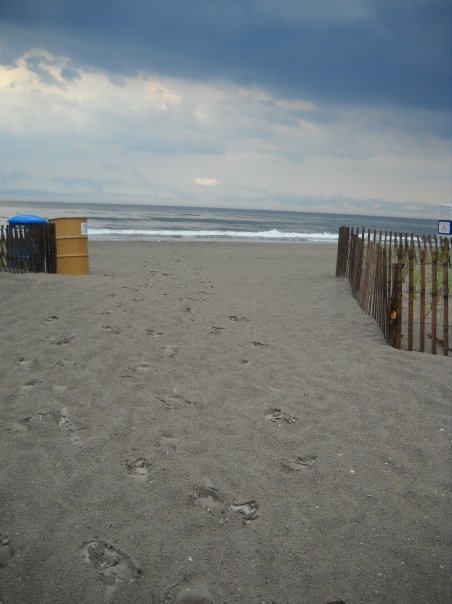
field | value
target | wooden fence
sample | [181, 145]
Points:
[402, 281]
[28, 248]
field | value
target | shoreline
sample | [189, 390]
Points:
[249, 240]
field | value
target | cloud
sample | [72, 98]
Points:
[84, 105]
[206, 182]
[141, 137]
[396, 52]
[318, 13]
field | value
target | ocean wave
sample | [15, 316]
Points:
[272, 234]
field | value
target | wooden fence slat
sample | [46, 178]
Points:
[422, 304]
[399, 297]
[434, 298]
[445, 262]
[385, 294]
[393, 307]
[411, 258]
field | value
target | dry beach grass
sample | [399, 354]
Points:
[216, 422]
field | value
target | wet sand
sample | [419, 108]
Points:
[216, 422]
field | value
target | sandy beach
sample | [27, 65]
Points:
[216, 422]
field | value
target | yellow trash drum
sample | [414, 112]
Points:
[71, 245]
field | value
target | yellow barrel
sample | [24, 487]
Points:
[71, 245]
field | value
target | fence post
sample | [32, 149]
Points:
[434, 298]
[399, 297]
[446, 297]
[343, 251]
[422, 304]
[411, 256]
[385, 294]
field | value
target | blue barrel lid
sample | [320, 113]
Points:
[27, 219]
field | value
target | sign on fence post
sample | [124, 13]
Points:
[445, 227]
[445, 220]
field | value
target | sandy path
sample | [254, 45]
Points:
[216, 422]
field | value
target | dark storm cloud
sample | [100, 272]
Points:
[361, 51]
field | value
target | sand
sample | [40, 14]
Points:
[216, 422]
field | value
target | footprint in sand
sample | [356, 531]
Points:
[216, 330]
[177, 402]
[248, 509]
[168, 441]
[59, 389]
[26, 363]
[69, 364]
[112, 565]
[52, 318]
[67, 427]
[209, 499]
[153, 333]
[111, 329]
[132, 370]
[237, 318]
[143, 367]
[139, 469]
[37, 422]
[192, 589]
[20, 427]
[59, 340]
[170, 351]
[259, 344]
[187, 308]
[278, 417]
[6, 551]
[29, 384]
[295, 464]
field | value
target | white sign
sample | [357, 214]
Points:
[444, 227]
[84, 228]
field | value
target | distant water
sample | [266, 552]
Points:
[150, 223]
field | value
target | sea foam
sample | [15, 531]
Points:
[272, 234]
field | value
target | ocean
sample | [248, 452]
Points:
[150, 223]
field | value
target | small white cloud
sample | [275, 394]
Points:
[206, 182]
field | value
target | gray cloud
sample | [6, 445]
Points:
[369, 51]
[267, 98]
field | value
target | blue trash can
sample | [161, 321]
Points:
[25, 243]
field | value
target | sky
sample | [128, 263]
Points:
[313, 105]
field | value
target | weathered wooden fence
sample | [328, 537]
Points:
[403, 281]
[28, 248]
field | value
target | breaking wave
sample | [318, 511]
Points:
[273, 234]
